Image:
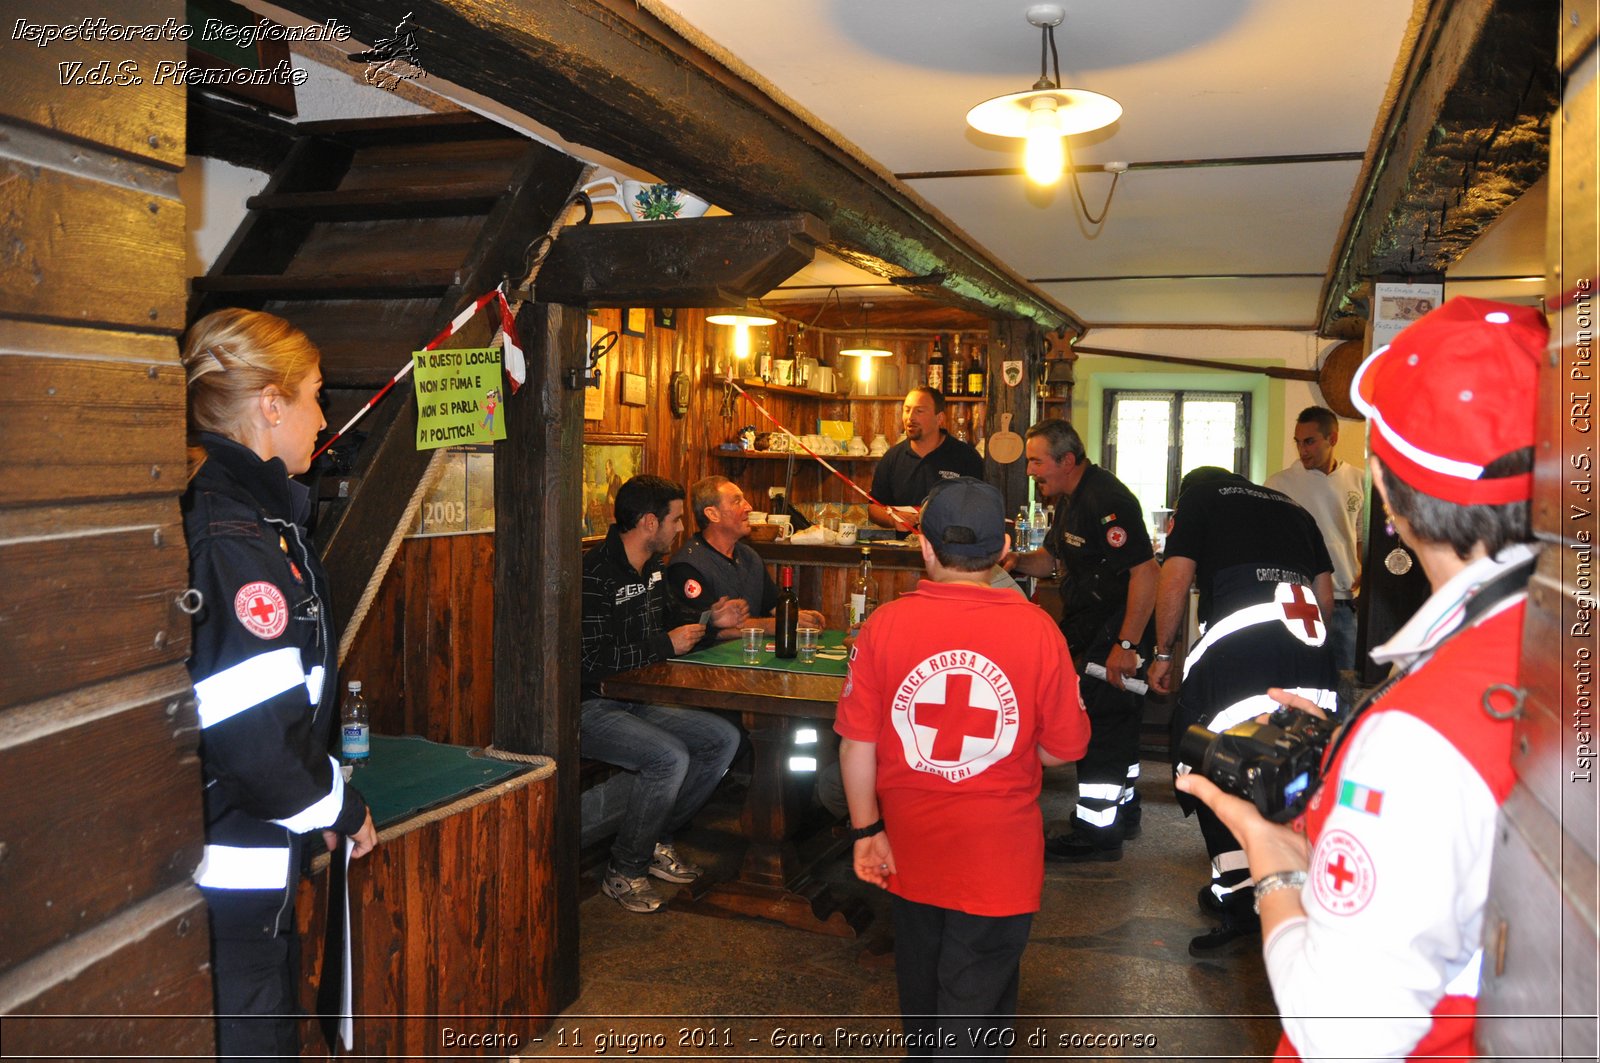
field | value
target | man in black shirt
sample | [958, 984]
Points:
[717, 565]
[1266, 585]
[927, 454]
[1100, 549]
[678, 755]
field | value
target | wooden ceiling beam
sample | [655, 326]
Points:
[1468, 133]
[609, 75]
[699, 262]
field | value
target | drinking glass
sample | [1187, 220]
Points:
[753, 639]
[806, 644]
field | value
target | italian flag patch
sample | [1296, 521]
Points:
[1361, 798]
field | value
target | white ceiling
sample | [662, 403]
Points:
[1198, 80]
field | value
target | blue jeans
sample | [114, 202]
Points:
[678, 757]
[1342, 634]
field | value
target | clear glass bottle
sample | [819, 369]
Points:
[355, 728]
[863, 593]
[955, 371]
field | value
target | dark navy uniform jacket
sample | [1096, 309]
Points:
[264, 665]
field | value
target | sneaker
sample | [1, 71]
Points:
[1210, 903]
[634, 894]
[1074, 850]
[666, 864]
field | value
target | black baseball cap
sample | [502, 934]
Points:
[965, 516]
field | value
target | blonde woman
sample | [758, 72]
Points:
[263, 662]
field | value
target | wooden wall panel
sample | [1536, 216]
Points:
[91, 252]
[75, 414]
[136, 987]
[90, 593]
[682, 449]
[102, 804]
[138, 118]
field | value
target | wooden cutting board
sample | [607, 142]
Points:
[1005, 446]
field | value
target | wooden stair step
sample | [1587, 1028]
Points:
[412, 284]
[368, 204]
[409, 129]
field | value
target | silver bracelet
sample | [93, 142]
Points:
[1278, 880]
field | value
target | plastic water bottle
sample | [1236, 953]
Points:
[1022, 537]
[355, 730]
[1041, 528]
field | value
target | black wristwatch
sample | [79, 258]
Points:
[857, 833]
[1125, 644]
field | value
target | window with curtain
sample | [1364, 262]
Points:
[1154, 437]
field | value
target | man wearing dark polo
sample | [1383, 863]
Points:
[717, 563]
[927, 455]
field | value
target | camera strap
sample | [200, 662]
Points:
[1507, 584]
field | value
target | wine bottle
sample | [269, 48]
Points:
[955, 370]
[863, 593]
[786, 618]
[936, 365]
[975, 372]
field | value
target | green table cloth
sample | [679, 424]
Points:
[831, 656]
[408, 775]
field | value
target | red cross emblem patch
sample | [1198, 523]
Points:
[1300, 613]
[691, 588]
[1116, 535]
[262, 610]
[956, 714]
[1342, 875]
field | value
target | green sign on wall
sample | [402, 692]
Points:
[459, 397]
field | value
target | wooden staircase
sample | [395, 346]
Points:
[371, 235]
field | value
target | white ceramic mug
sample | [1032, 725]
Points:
[647, 202]
[783, 523]
[847, 533]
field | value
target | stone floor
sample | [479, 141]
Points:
[1107, 974]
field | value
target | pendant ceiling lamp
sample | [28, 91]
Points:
[743, 319]
[1047, 113]
[865, 352]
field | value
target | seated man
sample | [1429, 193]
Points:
[716, 564]
[679, 755]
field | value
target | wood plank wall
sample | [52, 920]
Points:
[1542, 968]
[100, 824]
[681, 448]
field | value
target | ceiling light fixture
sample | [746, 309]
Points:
[865, 352]
[743, 319]
[1047, 114]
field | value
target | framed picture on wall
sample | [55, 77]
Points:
[633, 320]
[608, 461]
[632, 389]
[666, 317]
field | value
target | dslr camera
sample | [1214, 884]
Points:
[1275, 765]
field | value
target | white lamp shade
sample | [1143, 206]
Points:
[739, 317]
[1077, 111]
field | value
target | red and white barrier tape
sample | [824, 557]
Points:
[857, 488]
[516, 365]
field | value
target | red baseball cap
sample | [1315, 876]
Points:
[1454, 391]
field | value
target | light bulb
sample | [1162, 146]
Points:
[1045, 155]
[741, 341]
[864, 370]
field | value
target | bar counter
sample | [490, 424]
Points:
[825, 574]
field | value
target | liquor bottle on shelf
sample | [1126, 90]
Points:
[355, 730]
[955, 371]
[786, 617]
[863, 593]
[975, 371]
[936, 365]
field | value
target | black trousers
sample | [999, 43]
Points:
[958, 976]
[257, 997]
[1115, 717]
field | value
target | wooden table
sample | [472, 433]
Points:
[773, 882]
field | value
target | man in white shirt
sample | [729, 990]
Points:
[1335, 493]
